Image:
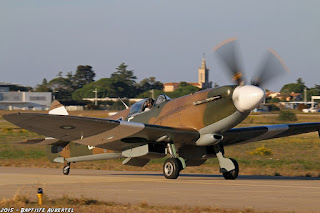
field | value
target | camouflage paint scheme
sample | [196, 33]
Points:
[178, 113]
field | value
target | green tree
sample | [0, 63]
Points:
[148, 94]
[124, 75]
[59, 74]
[43, 87]
[300, 81]
[61, 88]
[124, 81]
[273, 100]
[105, 87]
[183, 84]
[62, 94]
[293, 87]
[83, 75]
[317, 86]
[149, 84]
[312, 92]
[60, 83]
[69, 76]
[181, 91]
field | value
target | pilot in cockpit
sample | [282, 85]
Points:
[148, 104]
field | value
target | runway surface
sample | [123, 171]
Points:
[258, 192]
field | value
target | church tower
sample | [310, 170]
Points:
[203, 75]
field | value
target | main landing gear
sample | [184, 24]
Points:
[172, 166]
[228, 166]
[66, 169]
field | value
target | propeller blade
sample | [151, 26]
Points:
[228, 53]
[272, 67]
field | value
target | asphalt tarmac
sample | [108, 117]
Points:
[257, 192]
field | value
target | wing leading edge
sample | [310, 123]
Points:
[251, 134]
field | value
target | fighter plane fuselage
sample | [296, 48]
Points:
[196, 111]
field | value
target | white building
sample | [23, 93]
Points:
[25, 100]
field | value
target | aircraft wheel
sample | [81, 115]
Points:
[66, 169]
[233, 174]
[172, 168]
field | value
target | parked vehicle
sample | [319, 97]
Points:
[310, 110]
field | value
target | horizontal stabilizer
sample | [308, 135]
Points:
[59, 160]
[102, 156]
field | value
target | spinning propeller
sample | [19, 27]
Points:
[248, 97]
[271, 68]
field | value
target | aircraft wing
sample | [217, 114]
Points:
[104, 133]
[257, 133]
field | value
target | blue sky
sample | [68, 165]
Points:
[165, 39]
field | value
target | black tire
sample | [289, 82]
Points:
[180, 165]
[233, 174]
[66, 170]
[172, 168]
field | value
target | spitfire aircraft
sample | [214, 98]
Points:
[190, 129]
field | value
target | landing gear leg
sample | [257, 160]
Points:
[66, 169]
[172, 166]
[228, 166]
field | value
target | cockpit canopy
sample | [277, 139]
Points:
[141, 106]
[162, 98]
[137, 107]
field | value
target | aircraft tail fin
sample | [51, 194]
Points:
[57, 108]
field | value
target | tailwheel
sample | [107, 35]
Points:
[66, 169]
[172, 168]
[233, 174]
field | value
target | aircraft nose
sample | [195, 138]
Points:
[248, 97]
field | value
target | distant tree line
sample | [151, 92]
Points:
[63, 87]
[121, 83]
[73, 87]
[297, 87]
